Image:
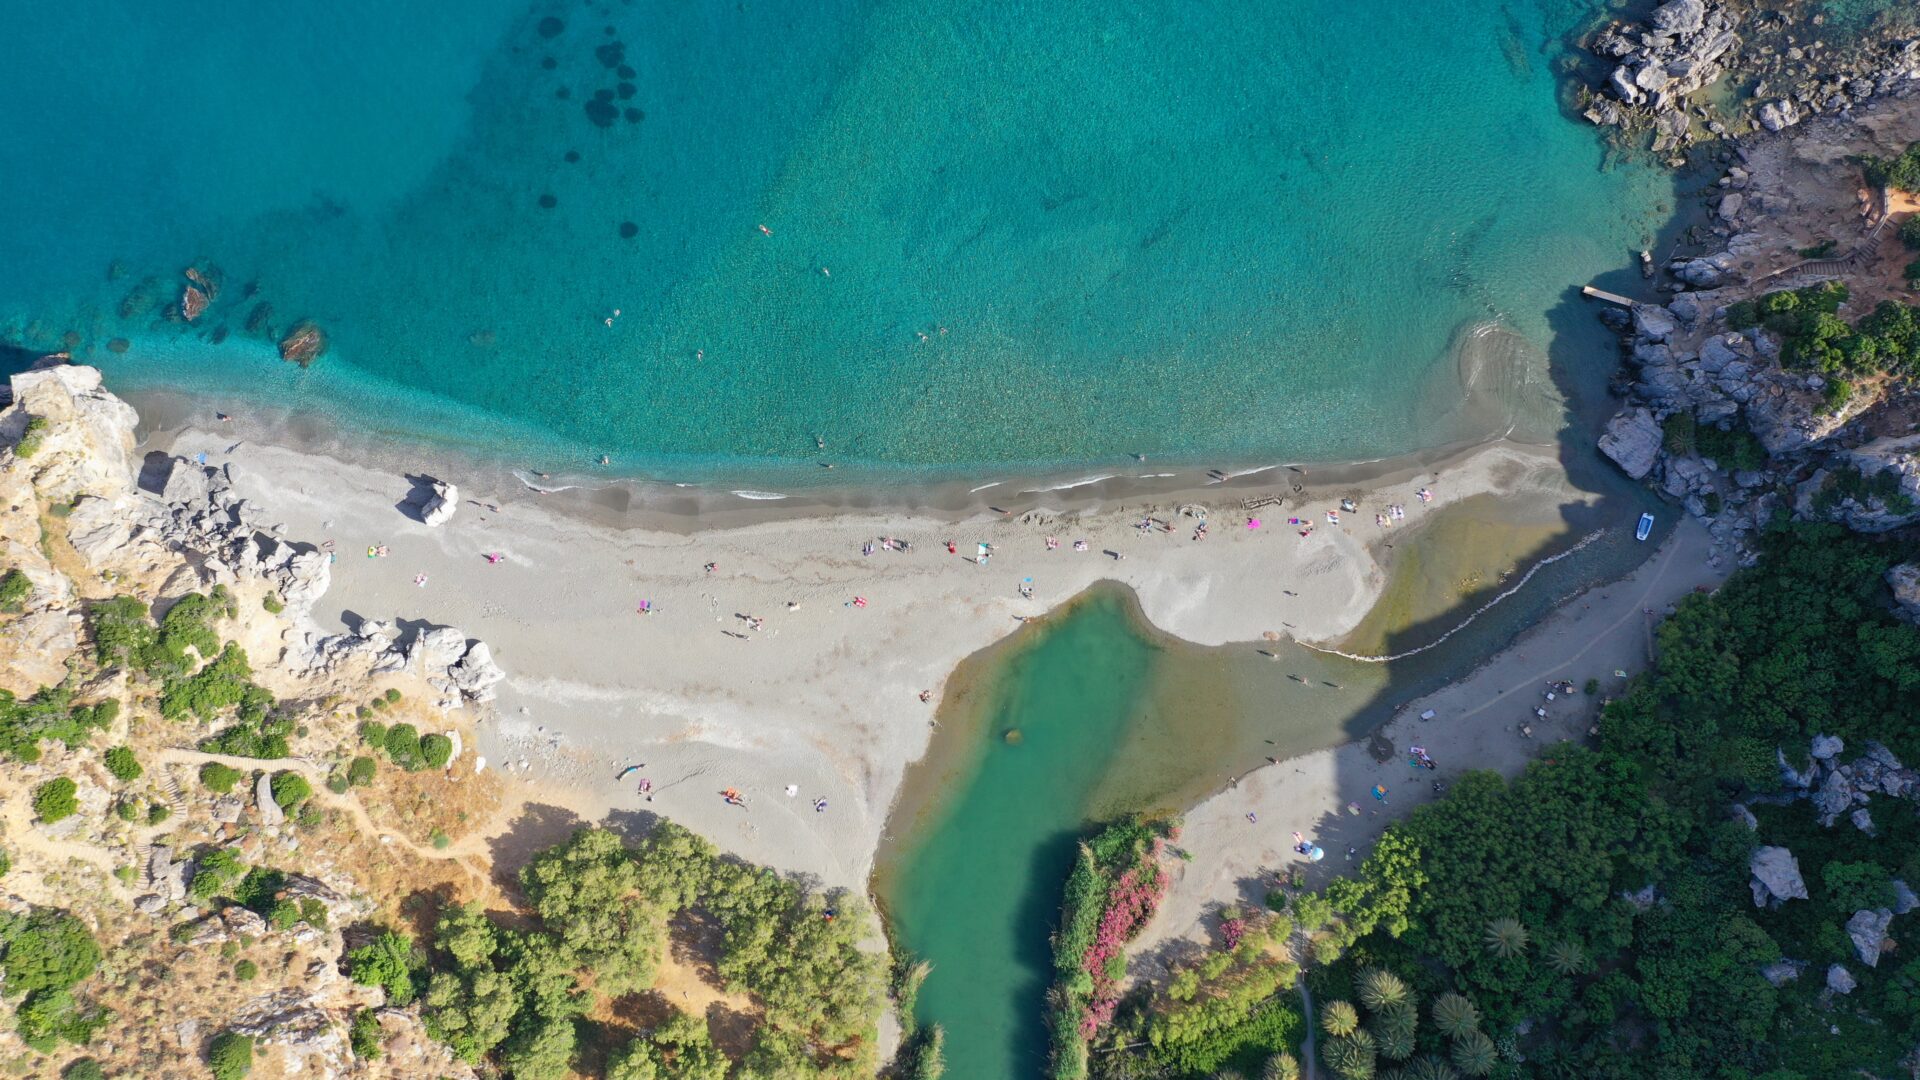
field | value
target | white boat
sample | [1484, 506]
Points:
[1645, 527]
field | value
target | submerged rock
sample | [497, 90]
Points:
[304, 344]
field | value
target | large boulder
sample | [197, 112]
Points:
[1779, 114]
[440, 505]
[1904, 580]
[84, 447]
[1776, 876]
[1839, 979]
[1826, 747]
[1632, 440]
[1680, 16]
[1868, 932]
[270, 812]
[1654, 323]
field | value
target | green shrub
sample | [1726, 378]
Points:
[128, 810]
[121, 631]
[393, 696]
[123, 765]
[436, 750]
[372, 732]
[1591, 688]
[55, 800]
[1912, 272]
[337, 782]
[1910, 232]
[14, 590]
[388, 961]
[1901, 172]
[1678, 433]
[361, 771]
[1820, 250]
[364, 1035]
[158, 813]
[217, 871]
[246, 970]
[272, 604]
[6, 862]
[290, 789]
[440, 840]
[83, 1069]
[31, 438]
[46, 949]
[219, 778]
[1737, 449]
[230, 1056]
[403, 746]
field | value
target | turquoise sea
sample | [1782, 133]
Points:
[928, 235]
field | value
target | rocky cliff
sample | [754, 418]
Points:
[1713, 418]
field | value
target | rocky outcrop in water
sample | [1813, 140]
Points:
[1657, 66]
[1790, 70]
[304, 343]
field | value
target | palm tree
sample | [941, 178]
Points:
[1394, 1026]
[1351, 1057]
[1281, 1066]
[1379, 989]
[1455, 1015]
[1431, 1068]
[1474, 1054]
[1507, 937]
[1567, 957]
[1396, 1044]
[1339, 1018]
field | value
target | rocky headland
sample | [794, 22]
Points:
[1741, 415]
[1702, 70]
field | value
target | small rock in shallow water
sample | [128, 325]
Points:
[548, 202]
[603, 113]
[628, 230]
[551, 26]
[573, 156]
[304, 344]
[549, 63]
[219, 334]
[119, 345]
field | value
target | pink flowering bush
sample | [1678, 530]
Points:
[1232, 930]
[1130, 903]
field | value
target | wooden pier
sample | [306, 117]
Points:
[1602, 294]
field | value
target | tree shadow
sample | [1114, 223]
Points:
[539, 826]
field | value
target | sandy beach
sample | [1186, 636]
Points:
[779, 659]
[1476, 725]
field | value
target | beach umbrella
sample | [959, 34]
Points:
[1380, 792]
[1271, 635]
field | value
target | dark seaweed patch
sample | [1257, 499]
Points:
[626, 71]
[548, 202]
[563, 93]
[628, 230]
[612, 54]
[573, 156]
[634, 116]
[551, 26]
[627, 90]
[549, 63]
[603, 113]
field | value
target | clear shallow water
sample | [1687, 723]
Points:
[1190, 230]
